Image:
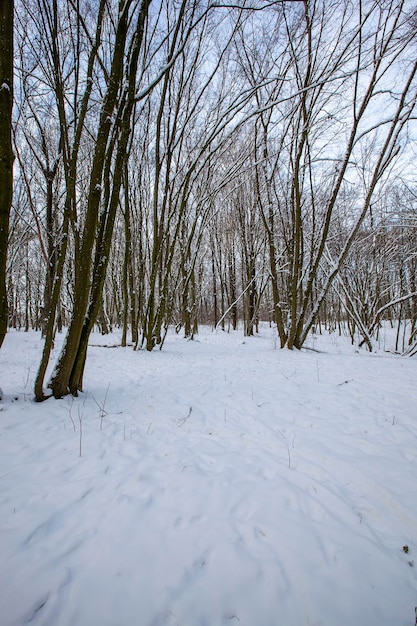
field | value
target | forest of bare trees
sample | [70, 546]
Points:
[186, 162]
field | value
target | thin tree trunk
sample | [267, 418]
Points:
[50, 324]
[126, 259]
[214, 281]
[6, 152]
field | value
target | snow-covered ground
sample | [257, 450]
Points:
[221, 481]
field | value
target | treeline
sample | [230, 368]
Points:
[190, 162]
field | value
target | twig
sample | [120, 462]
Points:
[71, 402]
[184, 419]
[27, 377]
[80, 419]
[101, 410]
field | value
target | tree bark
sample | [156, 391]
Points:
[6, 151]
[68, 372]
[112, 143]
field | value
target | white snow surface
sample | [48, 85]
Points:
[222, 482]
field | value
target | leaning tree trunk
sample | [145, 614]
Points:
[112, 142]
[6, 152]
[65, 379]
[49, 329]
[102, 256]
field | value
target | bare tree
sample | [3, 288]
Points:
[339, 62]
[6, 151]
[209, 161]
[109, 158]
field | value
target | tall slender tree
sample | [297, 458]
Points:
[6, 152]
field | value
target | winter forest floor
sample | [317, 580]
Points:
[222, 481]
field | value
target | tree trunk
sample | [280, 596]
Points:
[50, 323]
[68, 372]
[6, 152]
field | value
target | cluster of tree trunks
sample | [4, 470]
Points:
[179, 163]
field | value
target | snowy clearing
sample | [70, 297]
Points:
[222, 482]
